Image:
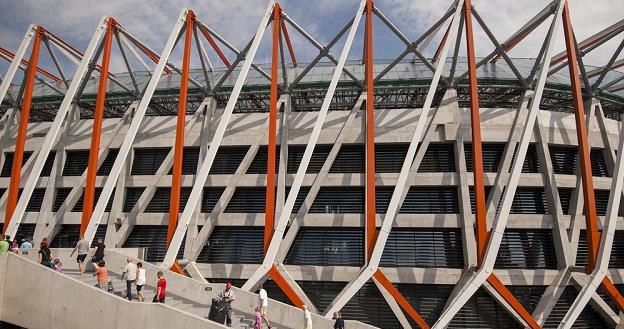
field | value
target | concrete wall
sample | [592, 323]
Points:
[280, 314]
[34, 297]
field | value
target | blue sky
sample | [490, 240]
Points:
[237, 20]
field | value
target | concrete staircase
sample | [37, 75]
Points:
[175, 301]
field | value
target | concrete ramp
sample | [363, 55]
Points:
[35, 297]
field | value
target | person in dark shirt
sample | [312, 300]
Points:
[45, 254]
[98, 256]
[339, 321]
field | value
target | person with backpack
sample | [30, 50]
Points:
[45, 255]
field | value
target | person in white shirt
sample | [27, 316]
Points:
[307, 318]
[140, 281]
[130, 273]
[263, 304]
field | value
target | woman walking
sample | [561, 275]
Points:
[45, 255]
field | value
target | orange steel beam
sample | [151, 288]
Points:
[291, 50]
[512, 301]
[593, 236]
[283, 284]
[25, 62]
[214, 46]
[89, 190]
[591, 222]
[442, 42]
[269, 217]
[176, 178]
[477, 152]
[371, 223]
[404, 303]
[18, 157]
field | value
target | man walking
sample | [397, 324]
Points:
[228, 295]
[130, 273]
[263, 303]
[82, 247]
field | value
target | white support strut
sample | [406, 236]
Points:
[17, 61]
[202, 175]
[398, 193]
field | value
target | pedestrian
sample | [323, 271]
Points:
[45, 254]
[130, 273]
[98, 255]
[58, 266]
[26, 244]
[140, 281]
[339, 324]
[15, 247]
[82, 248]
[257, 319]
[5, 245]
[263, 303]
[228, 295]
[102, 275]
[161, 288]
[307, 318]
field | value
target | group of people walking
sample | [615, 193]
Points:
[261, 310]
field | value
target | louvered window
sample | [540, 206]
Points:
[107, 164]
[617, 250]
[527, 200]
[147, 160]
[565, 161]
[154, 239]
[259, 163]
[162, 197]
[492, 155]
[428, 299]
[369, 306]
[190, 158]
[439, 157]
[36, 200]
[339, 200]
[527, 249]
[26, 231]
[228, 159]
[423, 248]
[327, 247]
[601, 197]
[210, 197]
[8, 162]
[295, 154]
[350, 159]
[69, 234]
[421, 200]
[588, 319]
[47, 166]
[482, 311]
[62, 193]
[234, 245]
[77, 162]
[132, 196]
[321, 293]
[252, 200]
[389, 158]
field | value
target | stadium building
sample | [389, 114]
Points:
[434, 189]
